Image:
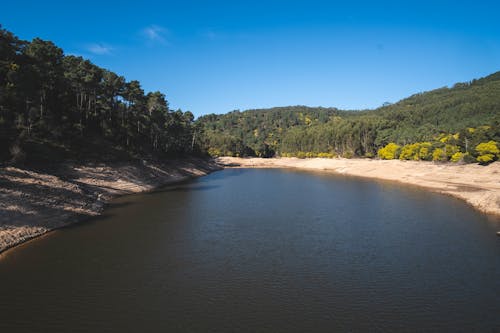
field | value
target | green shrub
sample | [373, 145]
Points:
[301, 154]
[348, 154]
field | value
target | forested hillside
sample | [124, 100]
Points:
[62, 106]
[57, 106]
[453, 119]
[257, 132]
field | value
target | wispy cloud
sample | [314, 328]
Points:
[210, 35]
[99, 49]
[155, 34]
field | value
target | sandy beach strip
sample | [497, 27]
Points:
[476, 184]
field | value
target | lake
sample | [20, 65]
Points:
[262, 250]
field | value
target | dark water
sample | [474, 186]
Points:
[262, 251]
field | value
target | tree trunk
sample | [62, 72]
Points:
[192, 142]
[41, 105]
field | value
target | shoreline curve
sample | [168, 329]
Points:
[477, 185]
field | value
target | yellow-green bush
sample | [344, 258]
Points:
[457, 157]
[410, 152]
[450, 150]
[439, 155]
[308, 154]
[301, 154]
[389, 152]
[214, 152]
[425, 152]
[326, 155]
[311, 154]
[444, 138]
[486, 158]
[416, 151]
[487, 152]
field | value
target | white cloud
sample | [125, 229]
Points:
[99, 49]
[155, 33]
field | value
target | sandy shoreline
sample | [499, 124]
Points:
[477, 185]
[34, 202]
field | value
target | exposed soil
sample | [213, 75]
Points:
[35, 201]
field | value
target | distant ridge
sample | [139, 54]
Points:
[420, 117]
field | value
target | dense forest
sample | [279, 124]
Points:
[56, 106]
[435, 125]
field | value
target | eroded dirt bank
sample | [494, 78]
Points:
[35, 201]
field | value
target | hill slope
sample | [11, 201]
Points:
[421, 117]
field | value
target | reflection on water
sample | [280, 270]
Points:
[262, 250]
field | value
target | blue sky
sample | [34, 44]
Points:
[217, 56]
